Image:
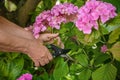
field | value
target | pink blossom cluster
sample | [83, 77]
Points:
[41, 22]
[93, 11]
[60, 13]
[26, 76]
[66, 11]
[85, 18]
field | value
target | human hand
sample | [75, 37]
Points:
[39, 53]
[48, 38]
[16, 39]
[45, 56]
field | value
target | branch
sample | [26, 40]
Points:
[23, 13]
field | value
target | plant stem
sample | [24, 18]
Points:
[104, 40]
[85, 52]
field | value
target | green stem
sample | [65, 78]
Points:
[85, 53]
[111, 56]
[104, 40]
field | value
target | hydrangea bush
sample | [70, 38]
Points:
[91, 29]
[85, 18]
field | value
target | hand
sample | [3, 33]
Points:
[50, 38]
[39, 53]
[14, 38]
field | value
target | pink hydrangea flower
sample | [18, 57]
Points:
[26, 76]
[60, 13]
[41, 22]
[85, 18]
[93, 11]
[63, 13]
[104, 48]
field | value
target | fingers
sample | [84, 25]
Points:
[47, 36]
[62, 45]
[50, 57]
[41, 61]
[39, 53]
[59, 42]
[36, 62]
[51, 36]
[46, 61]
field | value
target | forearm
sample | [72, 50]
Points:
[11, 43]
[13, 37]
[14, 29]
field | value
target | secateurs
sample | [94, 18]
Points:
[56, 51]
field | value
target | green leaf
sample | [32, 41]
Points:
[115, 3]
[113, 23]
[15, 68]
[114, 36]
[101, 58]
[14, 55]
[4, 69]
[44, 76]
[76, 52]
[12, 68]
[10, 6]
[116, 50]
[48, 4]
[61, 69]
[85, 74]
[36, 78]
[106, 72]
[65, 28]
[89, 39]
[70, 77]
[103, 29]
[75, 68]
[79, 3]
[117, 65]
[82, 59]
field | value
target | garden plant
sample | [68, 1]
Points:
[89, 29]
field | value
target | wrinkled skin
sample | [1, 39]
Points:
[47, 37]
[16, 39]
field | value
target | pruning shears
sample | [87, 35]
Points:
[56, 51]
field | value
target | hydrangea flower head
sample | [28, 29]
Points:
[64, 9]
[26, 76]
[93, 11]
[41, 22]
[60, 13]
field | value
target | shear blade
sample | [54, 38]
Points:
[64, 51]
